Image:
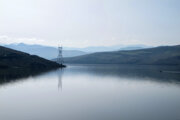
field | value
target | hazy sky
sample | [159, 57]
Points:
[81, 23]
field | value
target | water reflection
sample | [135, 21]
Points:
[17, 75]
[93, 92]
[60, 73]
[165, 74]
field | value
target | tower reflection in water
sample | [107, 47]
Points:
[60, 73]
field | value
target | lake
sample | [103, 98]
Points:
[94, 92]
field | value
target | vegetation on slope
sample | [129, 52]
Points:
[12, 59]
[164, 55]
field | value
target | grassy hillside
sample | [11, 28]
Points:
[12, 59]
[165, 55]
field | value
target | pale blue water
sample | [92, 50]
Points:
[93, 92]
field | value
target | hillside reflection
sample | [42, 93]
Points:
[164, 74]
[17, 75]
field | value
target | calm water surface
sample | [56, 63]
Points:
[94, 92]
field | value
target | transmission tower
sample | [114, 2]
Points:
[60, 56]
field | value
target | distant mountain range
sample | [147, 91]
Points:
[93, 49]
[51, 52]
[164, 55]
[43, 51]
[12, 59]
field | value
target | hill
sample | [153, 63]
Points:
[44, 51]
[12, 59]
[51, 52]
[163, 55]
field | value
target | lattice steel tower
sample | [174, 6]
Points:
[60, 56]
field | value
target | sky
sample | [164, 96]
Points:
[82, 23]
